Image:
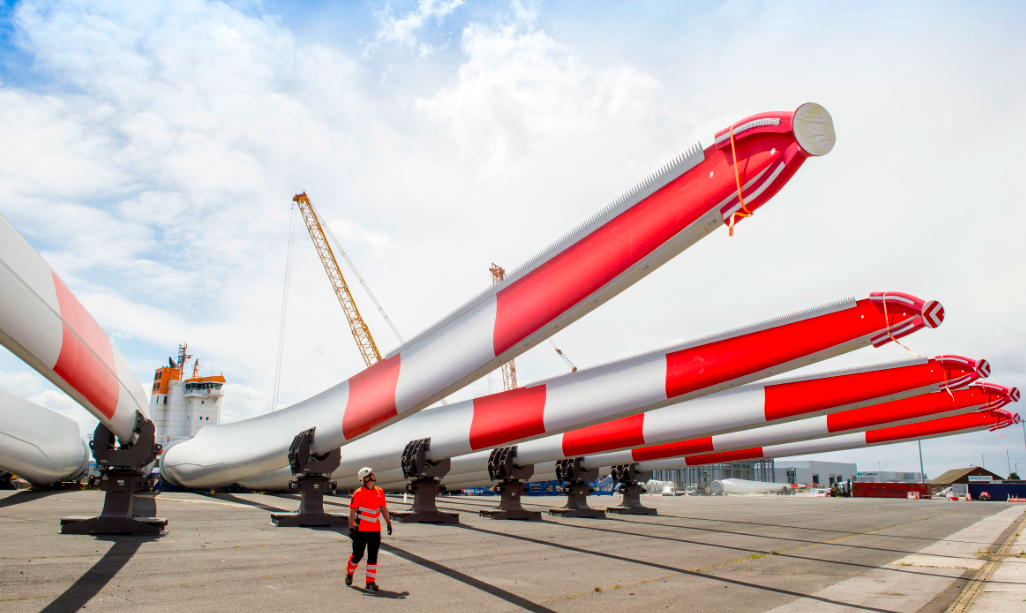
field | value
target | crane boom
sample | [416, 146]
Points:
[364, 340]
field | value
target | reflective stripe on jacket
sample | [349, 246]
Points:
[368, 504]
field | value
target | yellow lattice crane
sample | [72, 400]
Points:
[364, 340]
[509, 369]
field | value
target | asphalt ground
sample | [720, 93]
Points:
[699, 554]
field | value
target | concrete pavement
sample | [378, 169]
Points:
[700, 554]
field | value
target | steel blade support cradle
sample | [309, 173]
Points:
[659, 378]
[664, 215]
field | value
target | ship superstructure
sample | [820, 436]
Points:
[181, 406]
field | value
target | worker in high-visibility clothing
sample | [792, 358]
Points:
[366, 510]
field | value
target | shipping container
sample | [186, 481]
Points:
[998, 491]
[871, 489]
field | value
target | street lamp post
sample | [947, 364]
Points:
[1009, 458]
[922, 474]
[983, 460]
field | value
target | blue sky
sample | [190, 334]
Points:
[158, 148]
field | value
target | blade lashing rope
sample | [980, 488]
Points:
[986, 397]
[737, 179]
[887, 320]
[563, 355]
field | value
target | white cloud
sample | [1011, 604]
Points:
[351, 232]
[403, 30]
[24, 384]
[520, 92]
[526, 15]
[241, 402]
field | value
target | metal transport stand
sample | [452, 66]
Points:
[630, 480]
[575, 484]
[424, 486]
[312, 481]
[121, 476]
[502, 467]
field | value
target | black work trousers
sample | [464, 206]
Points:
[371, 541]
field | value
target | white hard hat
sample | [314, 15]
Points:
[364, 473]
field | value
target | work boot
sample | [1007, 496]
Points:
[372, 587]
[349, 579]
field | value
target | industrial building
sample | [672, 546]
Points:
[810, 472]
[890, 476]
[701, 477]
[963, 477]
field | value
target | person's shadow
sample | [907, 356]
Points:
[381, 593]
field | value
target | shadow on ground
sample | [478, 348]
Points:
[101, 573]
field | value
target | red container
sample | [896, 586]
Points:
[870, 489]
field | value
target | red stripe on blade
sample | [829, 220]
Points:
[87, 366]
[700, 367]
[725, 456]
[506, 417]
[571, 276]
[371, 397]
[930, 428]
[799, 397]
[616, 434]
[901, 410]
[672, 450]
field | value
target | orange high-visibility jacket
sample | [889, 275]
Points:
[368, 503]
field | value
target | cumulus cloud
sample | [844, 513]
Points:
[403, 30]
[155, 187]
[351, 232]
[24, 384]
[520, 91]
[241, 402]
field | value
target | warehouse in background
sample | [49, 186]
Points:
[811, 472]
[962, 477]
[889, 476]
[700, 478]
